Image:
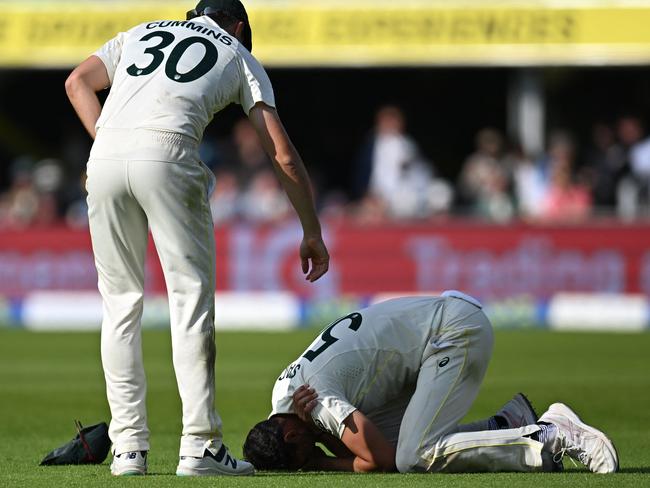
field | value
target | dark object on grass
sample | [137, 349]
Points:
[90, 446]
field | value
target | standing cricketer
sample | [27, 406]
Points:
[167, 79]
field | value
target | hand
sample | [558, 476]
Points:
[304, 401]
[313, 248]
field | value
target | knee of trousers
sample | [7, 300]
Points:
[407, 461]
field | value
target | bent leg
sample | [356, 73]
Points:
[453, 367]
[118, 229]
[494, 450]
[450, 377]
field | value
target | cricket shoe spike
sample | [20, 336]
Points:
[518, 412]
[133, 463]
[580, 441]
[220, 463]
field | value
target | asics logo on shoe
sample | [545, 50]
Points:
[443, 362]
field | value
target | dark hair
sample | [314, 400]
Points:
[226, 17]
[266, 449]
[226, 21]
[223, 19]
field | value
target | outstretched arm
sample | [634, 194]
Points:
[294, 179]
[82, 86]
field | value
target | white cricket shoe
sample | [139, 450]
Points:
[132, 463]
[518, 412]
[211, 464]
[580, 441]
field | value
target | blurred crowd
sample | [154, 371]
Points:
[391, 179]
[610, 177]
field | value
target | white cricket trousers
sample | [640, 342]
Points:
[137, 180]
[453, 366]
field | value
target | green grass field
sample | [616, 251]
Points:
[48, 379]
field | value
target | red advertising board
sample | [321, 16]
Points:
[486, 260]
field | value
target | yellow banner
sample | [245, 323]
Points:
[354, 33]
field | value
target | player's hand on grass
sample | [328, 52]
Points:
[313, 252]
[304, 401]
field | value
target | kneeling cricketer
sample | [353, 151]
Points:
[384, 389]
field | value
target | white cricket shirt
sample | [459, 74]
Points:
[362, 361]
[175, 75]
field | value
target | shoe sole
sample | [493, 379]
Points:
[129, 473]
[529, 405]
[209, 472]
[565, 411]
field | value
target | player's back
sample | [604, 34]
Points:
[369, 356]
[173, 76]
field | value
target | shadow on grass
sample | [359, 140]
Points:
[321, 474]
[643, 469]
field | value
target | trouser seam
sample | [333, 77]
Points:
[462, 368]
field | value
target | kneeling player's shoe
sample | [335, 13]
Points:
[211, 464]
[518, 412]
[132, 463]
[580, 441]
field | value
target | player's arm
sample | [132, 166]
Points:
[82, 86]
[335, 445]
[362, 448]
[367, 447]
[304, 401]
[371, 449]
[294, 179]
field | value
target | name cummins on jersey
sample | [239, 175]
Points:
[175, 75]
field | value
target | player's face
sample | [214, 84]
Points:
[297, 433]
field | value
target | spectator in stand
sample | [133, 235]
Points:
[251, 158]
[225, 199]
[629, 188]
[565, 200]
[243, 189]
[19, 204]
[485, 180]
[393, 178]
[76, 215]
[529, 183]
[634, 190]
[264, 201]
[48, 181]
[33, 198]
[606, 161]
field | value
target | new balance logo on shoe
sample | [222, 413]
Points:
[214, 464]
[220, 455]
[131, 463]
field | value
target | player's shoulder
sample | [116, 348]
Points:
[248, 59]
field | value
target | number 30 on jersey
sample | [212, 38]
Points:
[171, 65]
